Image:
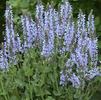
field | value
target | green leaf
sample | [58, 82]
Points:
[50, 98]
[99, 44]
[13, 98]
[57, 93]
[97, 20]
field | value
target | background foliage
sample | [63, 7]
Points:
[2, 18]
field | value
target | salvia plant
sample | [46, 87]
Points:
[55, 32]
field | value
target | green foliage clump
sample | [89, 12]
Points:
[38, 78]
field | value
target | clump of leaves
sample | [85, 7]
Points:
[37, 78]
